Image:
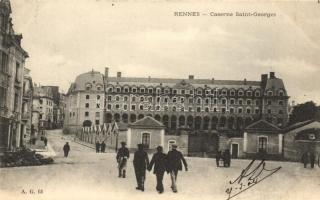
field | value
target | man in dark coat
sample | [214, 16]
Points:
[97, 146]
[122, 157]
[226, 158]
[159, 161]
[305, 159]
[103, 147]
[312, 159]
[140, 163]
[174, 159]
[66, 149]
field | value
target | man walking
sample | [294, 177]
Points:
[97, 146]
[66, 149]
[122, 157]
[174, 159]
[140, 163]
[159, 162]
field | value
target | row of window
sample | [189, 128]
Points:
[87, 105]
[199, 91]
[98, 97]
[239, 110]
[191, 100]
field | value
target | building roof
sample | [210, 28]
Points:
[299, 125]
[93, 79]
[171, 82]
[262, 126]
[147, 122]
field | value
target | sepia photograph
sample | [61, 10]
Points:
[159, 99]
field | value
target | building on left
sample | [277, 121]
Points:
[12, 61]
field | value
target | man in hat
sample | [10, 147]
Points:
[122, 157]
[174, 159]
[159, 161]
[66, 149]
[140, 163]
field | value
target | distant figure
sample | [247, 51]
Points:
[218, 158]
[103, 147]
[305, 159]
[174, 159]
[140, 163]
[122, 157]
[226, 158]
[160, 166]
[66, 149]
[312, 159]
[97, 146]
[45, 140]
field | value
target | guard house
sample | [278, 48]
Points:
[263, 139]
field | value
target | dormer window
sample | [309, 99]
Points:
[126, 89]
[270, 93]
[240, 93]
[142, 90]
[281, 93]
[249, 93]
[232, 93]
[224, 92]
[199, 92]
[134, 90]
[257, 94]
[88, 86]
[118, 89]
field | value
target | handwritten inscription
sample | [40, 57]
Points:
[249, 177]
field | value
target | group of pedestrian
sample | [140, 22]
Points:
[308, 157]
[100, 147]
[160, 162]
[225, 157]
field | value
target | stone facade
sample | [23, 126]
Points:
[42, 108]
[85, 102]
[12, 61]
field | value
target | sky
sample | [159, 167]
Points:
[65, 38]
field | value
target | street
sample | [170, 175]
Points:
[88, 175]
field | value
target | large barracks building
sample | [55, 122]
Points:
[213, 112]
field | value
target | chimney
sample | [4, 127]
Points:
[245, 81]
[106, 72]
[149, 78]
[212, 80]
[264, 79]
[191, 77]
[118, 74]
[272, 75]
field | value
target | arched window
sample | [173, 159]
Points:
[145, 140]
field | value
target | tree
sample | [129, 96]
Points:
[303, 112]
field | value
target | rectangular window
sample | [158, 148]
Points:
[97, 114]
[18, 72]
[263, 144]
[86, 114]
[97, 122]
[4, 62]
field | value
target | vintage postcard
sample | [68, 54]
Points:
[159, 100]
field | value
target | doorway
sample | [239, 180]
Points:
[234, 150]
